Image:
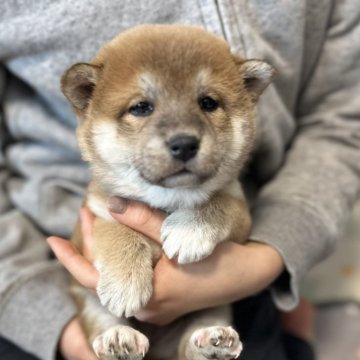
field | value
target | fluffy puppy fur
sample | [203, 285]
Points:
[166, 116]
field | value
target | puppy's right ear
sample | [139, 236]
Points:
[78, 84]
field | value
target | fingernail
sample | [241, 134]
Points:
[117, 204]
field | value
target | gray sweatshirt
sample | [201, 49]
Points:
[305, 169]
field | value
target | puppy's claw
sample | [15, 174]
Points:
[237, 351]
[217, 342]
[121, 342]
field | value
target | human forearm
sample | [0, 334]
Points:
[34, 314]
[34, 301]
[304, 208]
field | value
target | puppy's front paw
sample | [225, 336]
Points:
[216, 342]
[124, 295]
[121, 342]
[187, 236]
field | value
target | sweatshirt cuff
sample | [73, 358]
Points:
[36, 313]
[301, 239]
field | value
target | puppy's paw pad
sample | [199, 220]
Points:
[217, 342]
[121, 342]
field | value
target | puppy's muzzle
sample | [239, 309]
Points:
[183, 147]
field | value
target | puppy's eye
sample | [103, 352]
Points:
[143, 108]
[208, 104]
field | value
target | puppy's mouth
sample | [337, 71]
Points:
[177, 175]
[182, 179]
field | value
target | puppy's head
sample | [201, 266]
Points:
[166, 106]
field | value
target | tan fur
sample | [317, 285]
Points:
[172, 67]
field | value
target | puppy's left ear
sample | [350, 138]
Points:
[257, 75]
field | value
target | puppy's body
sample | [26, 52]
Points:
[166, 117]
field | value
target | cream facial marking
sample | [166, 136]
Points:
[202, 80]
[107, 143]
[238, 140]
[149, 86]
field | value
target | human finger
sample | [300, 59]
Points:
[73, 344]
[137, 216]
[81, 268]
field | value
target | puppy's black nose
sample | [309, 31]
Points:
[183, 147]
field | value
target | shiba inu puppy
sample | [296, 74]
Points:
[166, 117]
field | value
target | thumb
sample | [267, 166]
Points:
[137, 216]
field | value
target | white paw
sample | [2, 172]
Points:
[189, 237]
[217, 342]
[121, 342]
[123, 296]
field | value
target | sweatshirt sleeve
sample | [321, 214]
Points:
[34, 301]
[303, 209]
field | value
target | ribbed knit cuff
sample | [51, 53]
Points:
[300, 238]
[35, 314]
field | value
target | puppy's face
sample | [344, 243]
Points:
[169, 102]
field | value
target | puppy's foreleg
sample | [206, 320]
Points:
[111, 337]
[124, 259]
[192, 234]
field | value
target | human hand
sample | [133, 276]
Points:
[73, 344]
[78, 264]
[232, 272]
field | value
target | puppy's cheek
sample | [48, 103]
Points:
[210, 156]
[108, 144]
[240, 136]
[206, 164]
